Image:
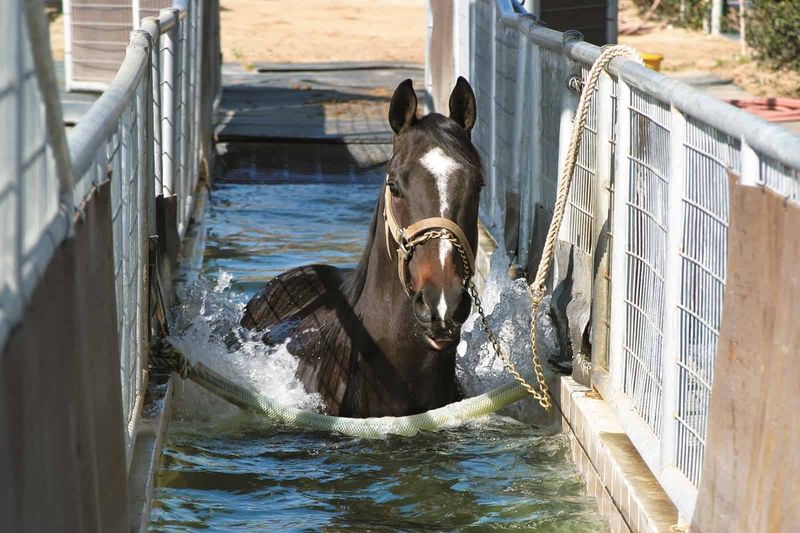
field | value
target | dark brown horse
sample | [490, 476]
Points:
[368, 344]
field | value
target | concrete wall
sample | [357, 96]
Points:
[62, 451]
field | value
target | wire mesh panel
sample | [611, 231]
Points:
[648, 158]
[709, 156]
[780, 178]
[579, 216]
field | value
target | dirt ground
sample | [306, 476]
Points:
[393, 30]
[323, 30]
[685, 50]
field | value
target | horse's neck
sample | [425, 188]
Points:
[386, 310]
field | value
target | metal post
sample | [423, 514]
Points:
[716, 17]
[602, 223]
[155, 115]
[672, 288]
[427, 101]
[619, 267]
[530, 193]
[67, 9]
[185, 68]
[492, 163]
[514, 185]
[168, 111]
[751, 166]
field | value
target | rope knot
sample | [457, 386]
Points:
[537, 294]
[166, 357]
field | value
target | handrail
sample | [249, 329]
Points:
[93, 129]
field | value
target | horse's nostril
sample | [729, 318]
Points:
[421, 309]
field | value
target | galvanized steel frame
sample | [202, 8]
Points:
[652, 189]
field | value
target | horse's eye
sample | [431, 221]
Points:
[395, 190]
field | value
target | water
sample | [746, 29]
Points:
[225, 470]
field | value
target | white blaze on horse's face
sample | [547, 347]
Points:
[441, 167]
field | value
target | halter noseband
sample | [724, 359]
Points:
[421, 232]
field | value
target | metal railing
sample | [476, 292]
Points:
[648, 205]
[142, 134]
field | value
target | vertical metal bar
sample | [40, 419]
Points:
[492, 163]
[68, 76]
[168, 111]
[716, 16]
[517, 139]
[155, 118]
[612, 14]
[619, 263]
[530, 192]
[602, 223]
[198, 89]
[673, 278]
[136, 16]
[185, 68]
[427, 101]
[569, 103]
[17, 121]
[751, 166]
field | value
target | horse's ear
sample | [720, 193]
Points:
[462, 104]
[403, 109]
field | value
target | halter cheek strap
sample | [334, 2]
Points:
[419, 233]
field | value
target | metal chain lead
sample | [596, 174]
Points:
[540, 392]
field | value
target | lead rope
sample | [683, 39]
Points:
[537, 289]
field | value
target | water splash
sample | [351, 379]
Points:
[507, 303]
[205, 326]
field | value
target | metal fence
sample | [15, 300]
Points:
[649, 205]
[142, 134]
[96, 35]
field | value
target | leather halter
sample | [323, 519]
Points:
[418, 233]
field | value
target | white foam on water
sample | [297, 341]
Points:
[507, 303]
[205, 326]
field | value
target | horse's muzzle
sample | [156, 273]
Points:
[441, 312]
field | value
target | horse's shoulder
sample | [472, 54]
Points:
[293, 294]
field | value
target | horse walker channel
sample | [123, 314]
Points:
[167, 357]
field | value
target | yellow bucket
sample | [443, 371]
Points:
[652, 61]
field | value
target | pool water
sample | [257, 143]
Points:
[225, 470]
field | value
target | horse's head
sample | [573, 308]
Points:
[431, 202]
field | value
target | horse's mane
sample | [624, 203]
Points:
[454, 140]
[353, 284]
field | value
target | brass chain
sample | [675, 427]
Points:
[539, 392]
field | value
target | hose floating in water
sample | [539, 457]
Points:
[165, 356]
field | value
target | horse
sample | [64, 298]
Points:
[380, 339]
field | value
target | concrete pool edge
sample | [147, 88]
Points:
[152, 427]
[627, 493]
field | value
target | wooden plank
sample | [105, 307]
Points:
[749, 480]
